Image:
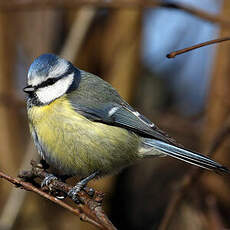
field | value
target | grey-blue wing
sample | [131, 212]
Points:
[123, 116]
[98, 101]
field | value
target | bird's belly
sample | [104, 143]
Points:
[77, 146]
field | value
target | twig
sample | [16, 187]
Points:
[12, 5]
[191, 178]
[89, 210]
[90, 207]
[178, 52]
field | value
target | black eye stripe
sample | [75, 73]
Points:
[48, 82]
[51, 81]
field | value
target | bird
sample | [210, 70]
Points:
[82, 127]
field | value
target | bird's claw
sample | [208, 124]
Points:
[47, 183]
[47, 180]
[73, 192]
[90, 192]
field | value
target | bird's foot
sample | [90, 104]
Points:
[90, 192]
[47, 183]
[73, 193]
[47, 180]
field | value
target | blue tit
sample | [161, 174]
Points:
[82, 127]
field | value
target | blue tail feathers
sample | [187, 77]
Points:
[186, 155]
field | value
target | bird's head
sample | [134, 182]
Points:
[50, 77]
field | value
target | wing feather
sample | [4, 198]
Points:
[124, 117]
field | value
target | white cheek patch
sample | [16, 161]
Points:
[49, 93]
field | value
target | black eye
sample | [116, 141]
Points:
[50, 81]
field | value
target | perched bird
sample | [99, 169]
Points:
[82, 127]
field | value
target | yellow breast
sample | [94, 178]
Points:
[76, 145]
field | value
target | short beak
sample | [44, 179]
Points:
[29, 89]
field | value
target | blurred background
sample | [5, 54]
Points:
[126, 44]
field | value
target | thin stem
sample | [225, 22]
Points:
[185, 50]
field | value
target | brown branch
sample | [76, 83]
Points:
[12, 5]
[88, 210]
[191, 178]
[211, 42]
